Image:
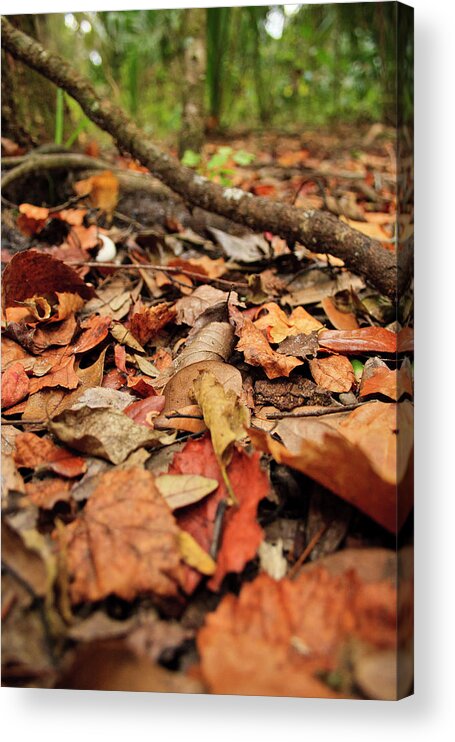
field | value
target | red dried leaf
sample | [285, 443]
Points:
[33, 452]
[391, 384]
[15, 385]
[242, 534]
[32, 273]
[145, 410]
[363, 340]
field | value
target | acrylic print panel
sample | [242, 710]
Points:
[207, 374]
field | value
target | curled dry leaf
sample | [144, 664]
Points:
[366, 441]
[102, 190]
[257, 350]
[147, 323]
[308, 623]
[43, 336]
[123, 336]
[363, 340]
[94, 330]
[214, 342]
[178, 391]
[33, 273]
[107, 433]
[15, 385]
[334, 373]
[278, 326]
[189, 308]
[340, 320]
[180, 490]
[41, 454]
[125, 541]
[241, 535]
[145, 410]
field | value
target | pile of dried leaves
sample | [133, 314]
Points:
[204, 437]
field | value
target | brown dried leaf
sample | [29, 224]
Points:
[358, 461]
[102, 189]
[45, 493]
[334, 373]
[191, 307]
[107, 433]
[125, 541]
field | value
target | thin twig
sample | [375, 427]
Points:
[319, 412]
[159, 268]
[295, 569]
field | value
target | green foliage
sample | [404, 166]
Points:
[332, 62]
[59, 115]
[217, 167]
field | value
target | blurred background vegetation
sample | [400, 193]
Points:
[281, 66]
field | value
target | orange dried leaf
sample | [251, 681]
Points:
[125, 540]
[340, 320]
[334, 373]
[47, 492]
[257, 350]
[33, 452]
[279, 326]
[148, 322]
[102, 190]
[278, 638]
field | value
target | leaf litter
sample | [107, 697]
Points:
[198, 469]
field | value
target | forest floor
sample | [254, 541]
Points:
[204, 431]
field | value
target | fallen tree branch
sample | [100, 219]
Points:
[130, 180]
[315, 229]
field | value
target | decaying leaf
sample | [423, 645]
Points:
[340, 320]
[180, 490]
[241, 534]
[148, 321]
[246, 249]
[214, 342]
[125, 541]
[41, 454]
[179, 390]
[334, 373]
[279, 638]
[15, 385]
[257, 350]
[224, 415]
[278, 325]
[102, 190]
[189, 308]
[33, 273]
[107, 433]
[194, 556]
[366, 441]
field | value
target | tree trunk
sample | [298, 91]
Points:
[194, 60]
[28, 101]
